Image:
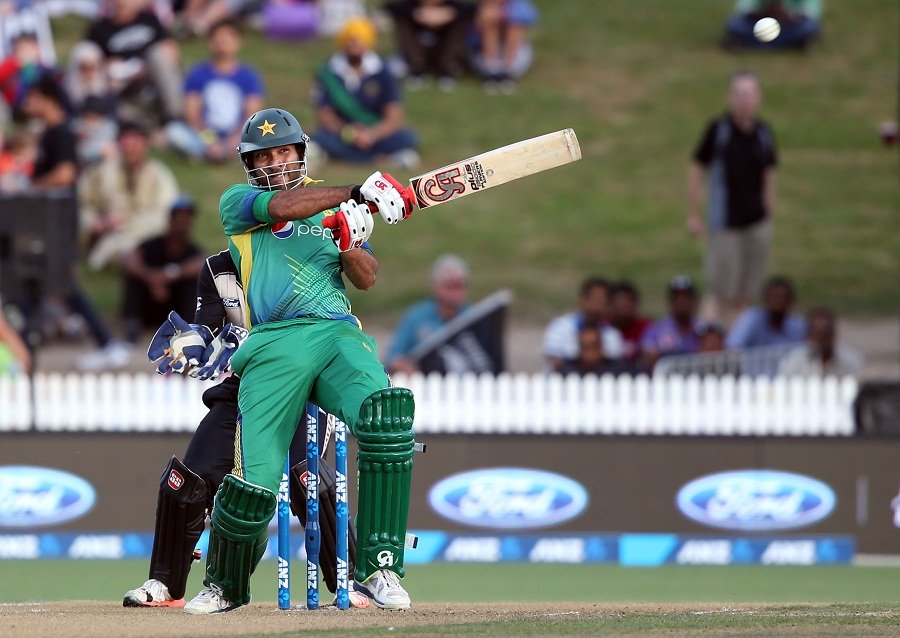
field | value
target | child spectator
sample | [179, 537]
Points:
[17, 154]
[592, 360]
[95, 132]
[19, 71]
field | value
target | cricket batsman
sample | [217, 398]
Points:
[186, 486]
[304, 344]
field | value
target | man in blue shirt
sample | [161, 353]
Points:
[359, 109]
[220, 94]
[675, 333]
[771, 323]
[450, 283]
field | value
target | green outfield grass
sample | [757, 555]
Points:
[47, 580]
[637, 81]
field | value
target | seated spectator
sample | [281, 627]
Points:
[449, 286]
[95, 131]
[821, 355]
[220, 94]
[772, 322]
[624, 301]
[17, 155]
[359, 109]
[675, 333]
[592, 360]
[19, 71]
[561, 336]
[503, 51]
[86, 78]
[125, 200]
[140, 55]
[800, 22]
[431, 38]
[199, 16]
[15, 358]
[711, 337]
[161, 274]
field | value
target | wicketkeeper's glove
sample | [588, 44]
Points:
[178, 345]
[217, 355]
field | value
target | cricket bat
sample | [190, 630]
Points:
[495, 167]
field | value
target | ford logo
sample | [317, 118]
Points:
[38, 496]
[508, 497]
[756, 500]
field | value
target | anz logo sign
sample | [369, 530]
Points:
[40, 496]
[508, 498]
[756, 500]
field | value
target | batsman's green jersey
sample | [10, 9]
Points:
[304, 342]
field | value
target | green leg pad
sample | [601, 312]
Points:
[386, 445]
[237, 538]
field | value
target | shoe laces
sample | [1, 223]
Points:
[208, 593]
[390, 578]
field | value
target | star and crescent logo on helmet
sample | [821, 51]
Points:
[267, 128]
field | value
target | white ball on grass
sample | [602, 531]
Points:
[766, 29]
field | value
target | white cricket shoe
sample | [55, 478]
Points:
[209, 601]
[151, 594]
[385, 590]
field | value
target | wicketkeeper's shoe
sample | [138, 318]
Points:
[385, 590]
[209, 601]
[151, 594]
[357, 599]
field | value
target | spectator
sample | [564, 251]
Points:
[503, 51]
[126, 200]
[450, 286]
[56, 169]
[624, 301]
[200, 16]
[591, 358]
[220, 94]
[15, 358]
[675, 333]
[738, 153]
[17, 154]
[711, 337]
[95, 131]
[431, 38]
[86, 78]
[561, 336]
[771, 323]
[821, 355]
[799, 20]
[140, 55]
[359, 109]
[19, 71]
[161, 274]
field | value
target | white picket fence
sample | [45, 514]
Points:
[520, 404]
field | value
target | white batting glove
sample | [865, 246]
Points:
[352, 226]
[393, 201]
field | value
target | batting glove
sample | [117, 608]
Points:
[393, 201]
[177, 345]
[218, 353]
[351, 226]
